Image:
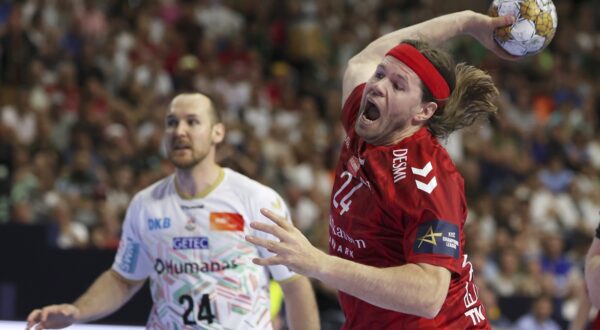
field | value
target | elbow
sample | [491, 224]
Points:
[428, 306]
[355, 60]
[432, 301]
[431, 309]
[352, 66]
[434, 309]
[426, 297]
[435, 294]
[359, 60]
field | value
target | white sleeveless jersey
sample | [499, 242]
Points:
[194, 252]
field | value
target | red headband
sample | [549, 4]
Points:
[430, 76]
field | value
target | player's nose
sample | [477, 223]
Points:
[180, 129]
[377, 88]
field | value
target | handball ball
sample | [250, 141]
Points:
[534, 27]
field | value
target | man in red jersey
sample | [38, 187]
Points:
[398, 205]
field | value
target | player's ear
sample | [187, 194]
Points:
[218, 133]
[427, 110]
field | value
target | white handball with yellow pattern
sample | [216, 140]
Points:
[534, 27]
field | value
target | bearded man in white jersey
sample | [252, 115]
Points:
[186, 234]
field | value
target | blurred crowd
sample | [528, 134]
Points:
[84, 86]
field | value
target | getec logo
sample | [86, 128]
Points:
[172, 267]
[190, 243]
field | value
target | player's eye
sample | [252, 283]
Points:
[193, 122]
[171, 122]
[379, 75]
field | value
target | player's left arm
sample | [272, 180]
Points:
[300, 303]
[592, 270]
[418, 289]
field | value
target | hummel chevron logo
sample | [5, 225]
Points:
[422, 171]
[427, 187]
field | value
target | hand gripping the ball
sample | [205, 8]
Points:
[534, 27]
[482, 28]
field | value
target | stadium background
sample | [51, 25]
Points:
[84, 86]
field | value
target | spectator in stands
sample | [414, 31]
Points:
[539, 318]
[508, 279]
[556, 263]
[70, 234]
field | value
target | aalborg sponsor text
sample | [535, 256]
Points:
[339, 232]
[173, 267]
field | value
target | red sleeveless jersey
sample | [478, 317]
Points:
[399, 204]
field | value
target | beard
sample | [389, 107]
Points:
[185, 162]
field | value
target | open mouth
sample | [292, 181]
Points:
[371, 112]
[181, 146]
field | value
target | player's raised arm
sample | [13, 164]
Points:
[435, 31]
[107, 294]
